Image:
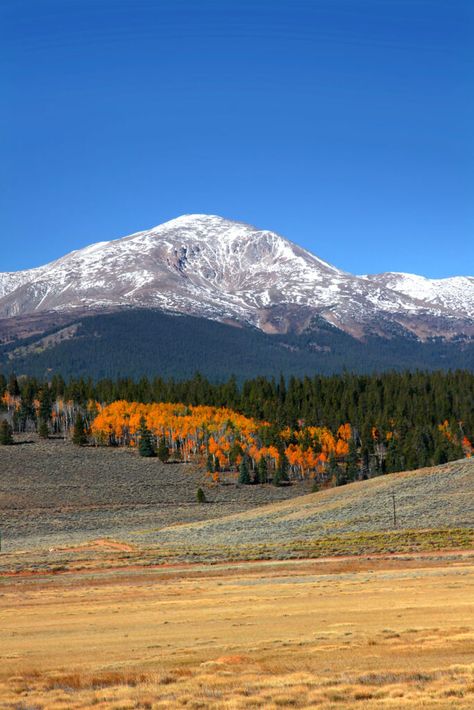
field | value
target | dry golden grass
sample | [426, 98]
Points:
[393, 633]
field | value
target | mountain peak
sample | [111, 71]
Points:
[222, 269]
[194, 219]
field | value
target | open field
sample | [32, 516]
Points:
[53, 493]
[117, 590]
[351, 633]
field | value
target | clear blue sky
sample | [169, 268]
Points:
[345, 125]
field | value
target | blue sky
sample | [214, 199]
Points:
[345, 125]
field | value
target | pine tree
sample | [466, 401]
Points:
[79, 436]
[163, 450]
[26, 413]
[244, 476]
[145, 444]
[201, 498]
[334, 471]
[45, 405]
[43, 431]
[393, 460]
[13, 388]
[6, 438]
[281, 473]
[352, 470]
[262, 470]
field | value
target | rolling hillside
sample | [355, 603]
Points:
[357, 515]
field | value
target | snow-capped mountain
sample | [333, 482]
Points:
[455, 293]
[207, 266]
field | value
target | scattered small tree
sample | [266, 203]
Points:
[6, 438]
[43, 431]
[163, 450]
[79, 435]
[261, 472]
[281, 473]
[145, 444]
[244, 475]
[201, 498]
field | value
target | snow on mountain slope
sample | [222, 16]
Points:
[455, 293]
[208, 266]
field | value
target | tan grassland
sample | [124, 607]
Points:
[382, 632]
[315, 602]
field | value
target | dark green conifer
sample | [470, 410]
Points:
[13, 387]
[45, 404]
[244, 475]
[163, 450]
[43, 431]
[201, 498]
[280, 476]
[234, 453]
[79, 435]
[6, 438]
[352, 461]
[262, 470]
[145, 442]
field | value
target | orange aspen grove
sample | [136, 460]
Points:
[193, 432]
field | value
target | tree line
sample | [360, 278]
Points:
[397, 420]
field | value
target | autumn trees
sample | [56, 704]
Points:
[336, 428]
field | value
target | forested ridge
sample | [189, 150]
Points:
[344, 427]
[136, 343]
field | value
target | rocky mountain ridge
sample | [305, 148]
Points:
[210, 267]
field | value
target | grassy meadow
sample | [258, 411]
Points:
[290, 600]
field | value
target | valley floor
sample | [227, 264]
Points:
[54, 493]
[118, 590]
[389, 632]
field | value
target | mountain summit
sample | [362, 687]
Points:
[219, 269]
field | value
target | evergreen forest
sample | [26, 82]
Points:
[344, 426]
